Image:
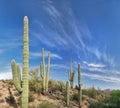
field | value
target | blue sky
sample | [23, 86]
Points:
[88, 31]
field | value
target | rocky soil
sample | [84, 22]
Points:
[10, 98]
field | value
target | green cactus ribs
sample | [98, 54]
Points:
[44, 72]
[71, 75]
[22, 87]
[67, 94]
[79, 88]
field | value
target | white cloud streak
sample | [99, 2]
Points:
[52, 55]
[94, 65]
[64, 28]
[102, 78]
[59, 66]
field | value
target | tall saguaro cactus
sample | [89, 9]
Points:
[22, 87]
[71, 75]
[80, 87]
[67, 94]
[45, 71]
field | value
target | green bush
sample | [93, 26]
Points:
[74, 97]
[61, 86]
[52, 83]
[31, 97]
[34, 83]
[46, 105]
[113, 100]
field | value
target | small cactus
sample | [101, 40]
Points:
[22, 87]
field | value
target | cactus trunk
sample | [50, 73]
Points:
[44, 72]
[25, 65]
[47, 73]
[80, 88]
[22, 88]
[43, 69]
[67, 94]
[71, 75]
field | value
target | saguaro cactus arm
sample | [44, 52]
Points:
[41, 71]
[16, 74]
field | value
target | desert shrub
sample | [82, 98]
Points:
[84, 97]
[52, 84]
[74, 97]
[113, 100]
[31, 97]
[35, 86]
[46, 105]
[61, 86]
[91, 92]
[76, 87]
[34, 83]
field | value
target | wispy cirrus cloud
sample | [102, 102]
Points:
[94, 65]
[63, 27]
[102, 78]
[39, 54]
[101, 68]
[101, 55]
[65, 31]
[59, 66]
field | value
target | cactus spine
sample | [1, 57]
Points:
[22, 87]
[45, 71]
[71, 75]
[80, 88]
[67, 94]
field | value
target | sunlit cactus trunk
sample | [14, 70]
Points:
[79, 88]
[67, 94]
[43, 69]
[22, 87]
[47, 73]
[44, 72]
[25, 65]
[71, 75]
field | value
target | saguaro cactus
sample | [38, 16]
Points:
[67, 94]
[80, 87]
[44, 71]
[22, 87]
[71, 75]
[47, 73]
